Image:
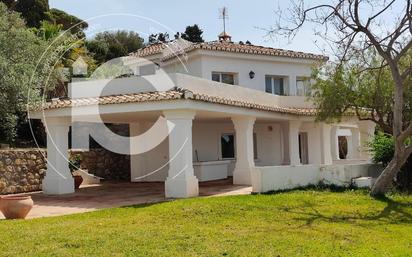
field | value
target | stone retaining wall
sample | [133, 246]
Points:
[105, 164]
[23, 170]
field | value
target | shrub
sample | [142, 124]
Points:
[382, 148]
[74, 162]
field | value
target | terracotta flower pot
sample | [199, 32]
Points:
[78, 180]
[16, 207]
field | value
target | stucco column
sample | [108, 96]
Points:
[326, 131]
[294, 127]
[292, 85]
[334, 143]
[58, 179]
[181, 181]
[137, 161]
[355, 143]
[367, 132]
[244, 150]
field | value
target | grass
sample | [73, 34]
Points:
[296, 223]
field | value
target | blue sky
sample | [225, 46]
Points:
[245, 18]
[145, 17]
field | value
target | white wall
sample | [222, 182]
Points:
[314, 141]
[203, 66]
[206, 141]
[275, 178]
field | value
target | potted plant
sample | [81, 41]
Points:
[74, 165]
[15, 206]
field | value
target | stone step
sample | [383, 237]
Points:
[363, 182]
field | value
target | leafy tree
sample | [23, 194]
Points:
[360, 27]
[193, 34]
[163, 37]
[9, 3]
[159, 38]
[99, 49]
[33, 11]
[108, 45]
[22, 78]
[382, 148]
[153, 38]
[66, 20]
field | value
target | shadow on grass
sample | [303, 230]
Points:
[144, 205]
[393, 213]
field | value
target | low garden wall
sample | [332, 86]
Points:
[22, 170]
[105, 164]
[275, 178]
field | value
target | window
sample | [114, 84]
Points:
[275, 85]
[302, 86]
[227, 78]
[227, 142]
[303, 148]
[254, 146]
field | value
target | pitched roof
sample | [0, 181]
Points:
[151, 49]
[173, 94]
[224, 46]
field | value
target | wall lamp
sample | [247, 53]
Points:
[252, 74]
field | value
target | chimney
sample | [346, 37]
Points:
[225, 37]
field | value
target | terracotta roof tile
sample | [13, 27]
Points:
[151, 49]
[158, 48]
[177, 93]
[249, 49]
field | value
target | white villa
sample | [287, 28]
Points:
[238, 110]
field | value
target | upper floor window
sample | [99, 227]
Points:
[302, 86]
[275, 85]
[224, 77]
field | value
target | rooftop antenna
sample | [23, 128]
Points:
[224, 14]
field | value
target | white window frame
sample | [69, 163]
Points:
[224, 73]
[220, 145]
[272, 78]
[306, 86]
[255, 143]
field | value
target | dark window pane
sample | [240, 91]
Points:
[228, 146]
[282, 88]
[216, 77]
[255, 156]
[268, 85]
[228, 79]
[278, 85]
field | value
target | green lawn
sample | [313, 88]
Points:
[298, 223]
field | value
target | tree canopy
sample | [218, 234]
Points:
[109, 45]
[23, 79]
[34, 12]
[378, 85]
[67, 21]
[354, 86]
[193, 34]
